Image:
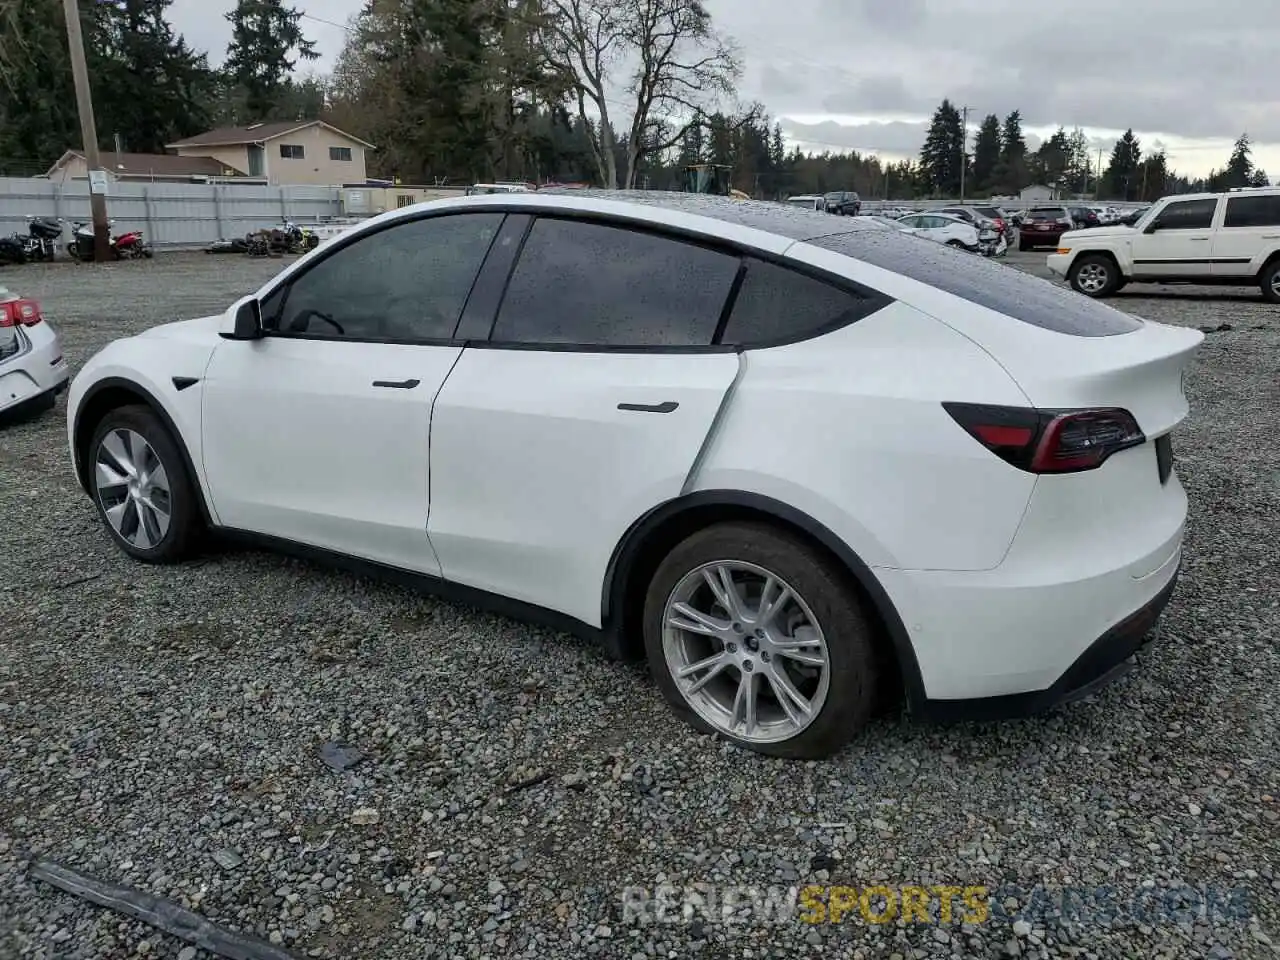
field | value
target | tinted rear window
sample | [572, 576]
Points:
[984, 282]
[1046, 213]
[989, 212]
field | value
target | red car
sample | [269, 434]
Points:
[1042, 226]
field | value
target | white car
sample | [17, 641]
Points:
[1216, 239]
[32, 369]
[790, 460]
[807, 202]
[942, 228]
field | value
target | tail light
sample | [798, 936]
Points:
[19, 313]
[1066, 221]
[1049, 441]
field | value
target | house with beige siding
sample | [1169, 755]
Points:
[144, 167]
[282, 152]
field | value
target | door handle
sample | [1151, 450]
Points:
[397, 384]
[665, 407]
[1198, 239]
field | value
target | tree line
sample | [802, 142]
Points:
[621, 93]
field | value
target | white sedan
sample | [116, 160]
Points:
[942, 228]
[789, 460]
[32, 369]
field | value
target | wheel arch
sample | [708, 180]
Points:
[112, 393]
[1272, 259]
[1108, 254]
[641, 549]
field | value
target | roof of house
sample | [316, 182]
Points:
[154, 164]
[258, 133]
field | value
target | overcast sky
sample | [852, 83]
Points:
[866, 74]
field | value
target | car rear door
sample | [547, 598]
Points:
[1248, 231]
[1181, 245]
[585, 406]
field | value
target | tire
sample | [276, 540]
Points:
[1271, 282]
[157, 541]
[955, 244]
[1094, 275]
[755, 551]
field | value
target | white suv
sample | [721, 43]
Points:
[1230, 239]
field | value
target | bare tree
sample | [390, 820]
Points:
[678, 68]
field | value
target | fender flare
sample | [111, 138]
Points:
[626, 553]
[146, 397]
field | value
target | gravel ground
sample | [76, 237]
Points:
[160, 728]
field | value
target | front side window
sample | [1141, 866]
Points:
[408, 282]
[1188, 215]
[292, 151]
[1262, 211]
[591, 284]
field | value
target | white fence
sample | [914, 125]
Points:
[171, 215]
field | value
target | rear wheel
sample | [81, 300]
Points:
[754, 635]
[1271, 282]
[141, 487]
[1094, 276]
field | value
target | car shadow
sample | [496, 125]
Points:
[1208, 297]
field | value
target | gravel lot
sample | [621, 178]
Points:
[160, 729]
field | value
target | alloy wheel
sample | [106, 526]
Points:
[746, 651]
[1093, 277]
[133, 488]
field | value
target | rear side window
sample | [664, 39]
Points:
[776, 304]
[1188, 215]
[1261, 211]
[590, 284]
[981, 281]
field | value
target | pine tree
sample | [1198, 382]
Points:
[267, 42]
[943, 149]
[986, 153]
[1239, 172]
[1260, 178]
[1013, 147]
[1121, 177]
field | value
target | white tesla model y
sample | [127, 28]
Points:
[796, 462]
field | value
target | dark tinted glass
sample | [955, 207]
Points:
[407, 282]
[597, 285]
[984, 282]
[1261, 211]
[992, 212]
[1188, 215]
[775, 303]
[1047, 213]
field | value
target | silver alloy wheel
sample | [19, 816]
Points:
[746, 651]
[133, 488]
[1275, 283]
[1093, 277]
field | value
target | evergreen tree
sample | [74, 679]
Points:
[943, 151]
[1013, 146]
[986, 153]
[267, 42]
[1260, 178]
[1121, 178]
[1052, 161]
[1239, 172]
[1079, 170]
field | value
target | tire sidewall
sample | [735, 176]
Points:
[1112, 276]
[1268, 280]
[183, 517]
[851, 663]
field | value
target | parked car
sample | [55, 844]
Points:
[942, 228]
[1002, 221]
[587, 378]
[1042, 226]
[808, 202]
[1220, 239]
[32, 369]
[845, 203]
[879, 222]
[973, 215]
[1083, 218]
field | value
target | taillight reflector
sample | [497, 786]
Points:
[19, 313]
[1049, 441]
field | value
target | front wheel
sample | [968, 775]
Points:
[141, 487]
[1094, 276]
[754, 635]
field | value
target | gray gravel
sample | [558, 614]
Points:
[160, 727]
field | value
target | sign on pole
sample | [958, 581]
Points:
[98, 182]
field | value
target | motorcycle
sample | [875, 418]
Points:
[80, 248]
[13, 249]
[40, 242]
[131, 246]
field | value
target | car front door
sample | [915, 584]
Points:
[586, 408]
[1181, 243]
[1250, 229]
[318, 431]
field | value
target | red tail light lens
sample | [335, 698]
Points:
[1049, 441]
[19, 313]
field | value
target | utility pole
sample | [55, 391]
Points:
[964, 147]
[1097, 186]
[88, 132]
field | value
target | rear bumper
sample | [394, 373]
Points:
[37, 371]
[1040, 238]
[1106, 659]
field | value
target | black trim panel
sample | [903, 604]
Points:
[1191, 260]
[667, 406]
[1106, 659]
[629, 548]
[397, 384]
[181, 383]
[413, 580]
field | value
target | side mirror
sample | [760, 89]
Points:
[243, 321]
[1153, 226]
